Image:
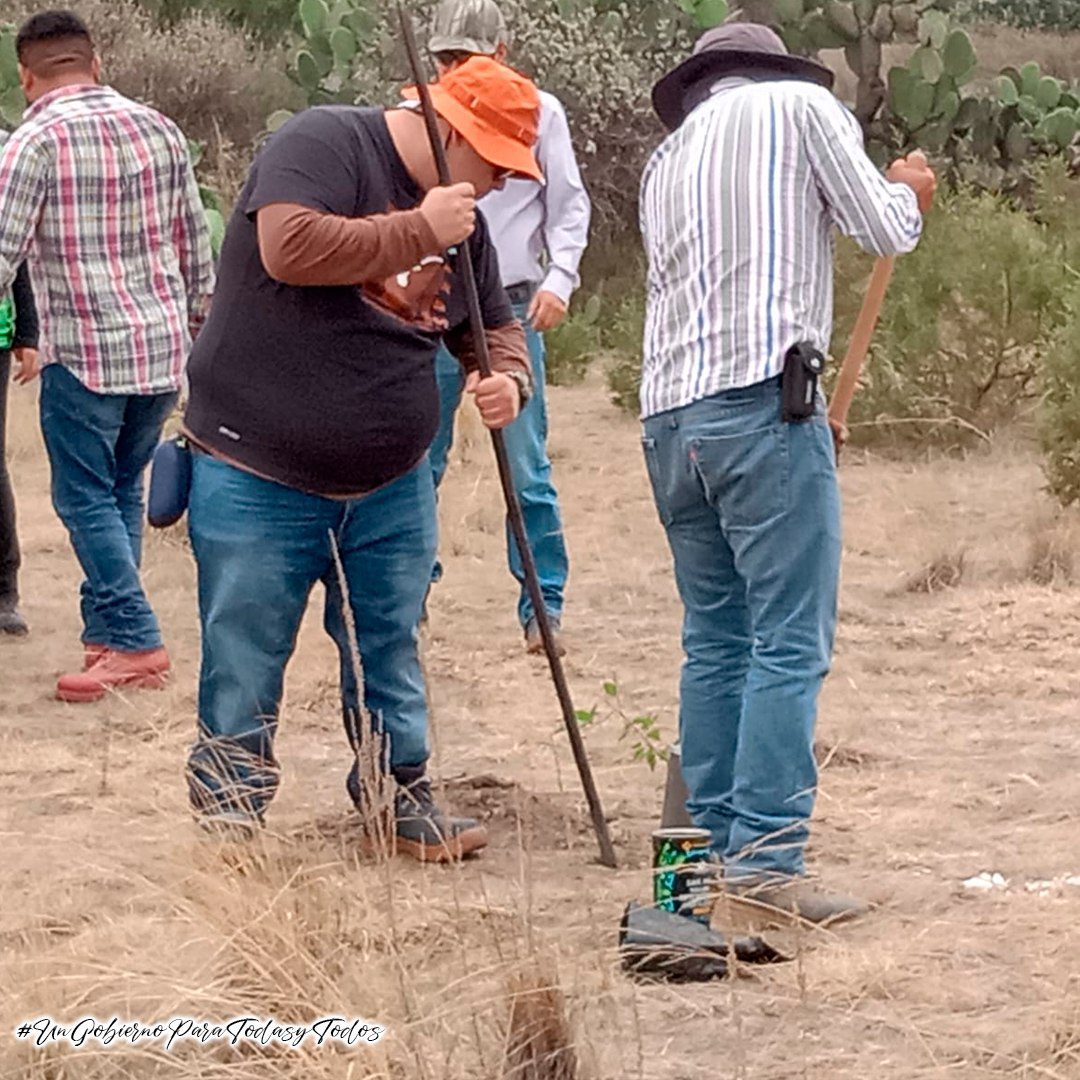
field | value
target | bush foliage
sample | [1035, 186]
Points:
[1030, 14]
[965, 326]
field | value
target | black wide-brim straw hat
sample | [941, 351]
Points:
[745, 49]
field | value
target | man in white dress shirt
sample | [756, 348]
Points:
[540, 232]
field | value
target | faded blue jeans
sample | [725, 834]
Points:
[526, 447]
[751, 508]
[260, 549]
[99, 446]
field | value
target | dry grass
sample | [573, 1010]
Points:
[997, 47]
[1052, 550]
[539, 1040]
[948, 736]
[944, 571]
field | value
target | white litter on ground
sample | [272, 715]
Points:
[992, 881]
[986, 882]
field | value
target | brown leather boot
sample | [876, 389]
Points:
[797, 897]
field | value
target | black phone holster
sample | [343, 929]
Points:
[803, 367]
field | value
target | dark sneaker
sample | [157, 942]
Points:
[423, 831]
[534, 642]
[12, 622]
[796, 897]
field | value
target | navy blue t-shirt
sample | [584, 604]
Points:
[329, 389]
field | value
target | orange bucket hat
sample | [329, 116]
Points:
[496, 110]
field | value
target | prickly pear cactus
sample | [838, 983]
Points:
[335, 35]
[923, 103]
[926, 95]
[706, 13]
[861, 28]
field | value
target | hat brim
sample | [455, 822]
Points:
[492, 145]
[670, 93]
[461, 44]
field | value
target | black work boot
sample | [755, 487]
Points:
[419, 827]
[423, 831]
[11, 619]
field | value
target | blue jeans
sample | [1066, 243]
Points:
[751, 508]
[260, 548]
[526, 447]
[99, 446]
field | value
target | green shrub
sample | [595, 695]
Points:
[573, 344]
[1059, 427]
[624, 336]
[967, 321]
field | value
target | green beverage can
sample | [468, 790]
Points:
[681, 873]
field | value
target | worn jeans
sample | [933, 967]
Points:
[526, 447]
[99, 446]
[751, 508]
[9, 536]
[260, 549]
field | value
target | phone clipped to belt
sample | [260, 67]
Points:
[803, 367]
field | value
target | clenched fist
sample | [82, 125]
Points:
[451, 213]
[497, 397]
[546, 311]
[917, 174]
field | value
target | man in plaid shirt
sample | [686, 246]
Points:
[98, 192]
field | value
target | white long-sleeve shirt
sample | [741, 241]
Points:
[738, 207]
[541, 230]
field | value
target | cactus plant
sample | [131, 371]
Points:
[923, 103]
[334, 38]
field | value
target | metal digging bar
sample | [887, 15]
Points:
[513, 506]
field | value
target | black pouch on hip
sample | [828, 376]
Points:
[170, 483]
[803, 365]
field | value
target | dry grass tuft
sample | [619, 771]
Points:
[539, 1039]
[944, 571]
[1065, 1045]
[1051, 557]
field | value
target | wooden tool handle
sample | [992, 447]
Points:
[848, 380]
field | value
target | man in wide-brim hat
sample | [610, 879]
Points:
[738, 207]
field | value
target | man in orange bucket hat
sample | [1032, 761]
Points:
[313, 402]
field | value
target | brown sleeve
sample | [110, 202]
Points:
[506, 345]
[300, 246]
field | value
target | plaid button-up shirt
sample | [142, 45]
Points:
[99, 192]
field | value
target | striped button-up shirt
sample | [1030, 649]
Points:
[100, 192]
[738, 208]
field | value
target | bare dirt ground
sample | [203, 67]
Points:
[949, 727]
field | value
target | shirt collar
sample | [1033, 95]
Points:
[729, 82]
[76, 89]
